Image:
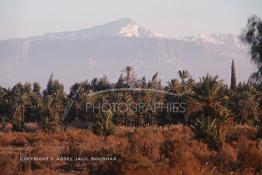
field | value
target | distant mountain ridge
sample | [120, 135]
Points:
[124, 27]
[106, 49]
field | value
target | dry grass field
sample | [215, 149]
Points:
[150, 150]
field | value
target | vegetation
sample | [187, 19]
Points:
[252, 36]
[141, 150]
[161, 145]
[211, 129]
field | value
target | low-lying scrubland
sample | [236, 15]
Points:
[146, 150]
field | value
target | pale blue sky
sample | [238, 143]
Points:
[175, 18]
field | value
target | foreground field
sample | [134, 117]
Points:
[152, 150]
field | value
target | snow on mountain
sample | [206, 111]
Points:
[215, 38]
[107, 49]
[124, 27]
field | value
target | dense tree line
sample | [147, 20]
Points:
[211, 105]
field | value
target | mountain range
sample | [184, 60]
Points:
[106, 49]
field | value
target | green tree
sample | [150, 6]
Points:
[245, 104]
[18, 118]
[51, 119]
[100, 84]
[104, 125]
[4, 106]
[252, 36]
[206, 108]
[54, 88]
[19, 105]
[54, 101]
[77, 102]
[37, 88]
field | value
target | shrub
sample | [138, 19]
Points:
[104, 125]
[208, 131]
[51, 124]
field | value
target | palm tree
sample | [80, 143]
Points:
[246, 104]
[155, 83]
[129, 70]
[206, 106]
[174, 86]
[130, 75]
[183, 75]
[181, 87]
[208, 92]
[249, 107]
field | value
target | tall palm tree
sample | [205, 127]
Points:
[130, 75]
[208, 91]
[129, 70]
[183, 75]
[210, 115]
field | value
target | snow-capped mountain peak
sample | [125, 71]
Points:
[129, 28]
[124, 27]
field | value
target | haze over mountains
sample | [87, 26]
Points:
[107, 49]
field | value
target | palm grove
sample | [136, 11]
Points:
[212, 106]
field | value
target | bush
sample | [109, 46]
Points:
[51, 124]
[104, 125]
[208, 131]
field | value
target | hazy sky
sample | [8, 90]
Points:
[175, 18]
